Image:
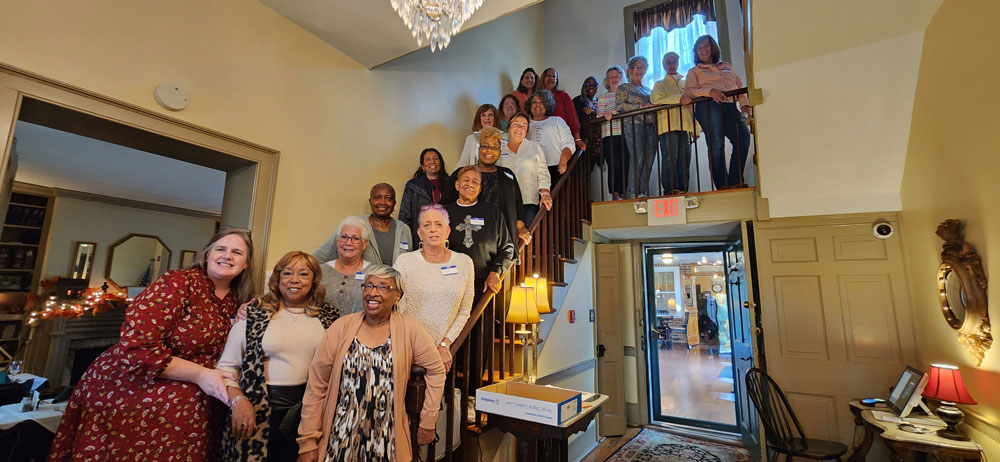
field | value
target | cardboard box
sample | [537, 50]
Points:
[547, 405]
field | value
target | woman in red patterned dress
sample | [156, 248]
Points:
[156, 395]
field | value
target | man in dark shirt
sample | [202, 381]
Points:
[499, 185]
[478, 229]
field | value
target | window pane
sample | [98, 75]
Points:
[680, 40]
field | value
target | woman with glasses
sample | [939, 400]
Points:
[719, 117]
[639, 131]
[438, 281]
[486, 116]
[362, 365]
[269, 354]
[157, 395]
[342, 278]
[612, 145]
[425, 188]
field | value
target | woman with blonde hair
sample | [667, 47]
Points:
[269, 353]
[163, 369]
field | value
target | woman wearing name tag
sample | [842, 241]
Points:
[438, 282]
[343, 277]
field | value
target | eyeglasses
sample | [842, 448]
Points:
[634, 67]
[590, 84]
[381, 288]
[490, 148]
[352, 239]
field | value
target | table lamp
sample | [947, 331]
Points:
[945, 385]
[522, 311]
[541, 286]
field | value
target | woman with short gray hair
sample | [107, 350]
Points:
[639, 131]
[342, 278]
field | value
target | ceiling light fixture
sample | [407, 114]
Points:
[435, 21]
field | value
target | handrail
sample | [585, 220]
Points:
[660, 107]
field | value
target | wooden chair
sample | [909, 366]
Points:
[781, 428]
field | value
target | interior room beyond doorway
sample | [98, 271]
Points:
[690, 342]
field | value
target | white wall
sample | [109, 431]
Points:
[833, 129]
[76, 220]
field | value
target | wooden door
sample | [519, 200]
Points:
[836, 315]
[610, 343]
[743, 326]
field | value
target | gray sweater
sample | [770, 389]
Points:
[402, 244]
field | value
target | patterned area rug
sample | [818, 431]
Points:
[656, 446]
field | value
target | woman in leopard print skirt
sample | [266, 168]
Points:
[269, 353]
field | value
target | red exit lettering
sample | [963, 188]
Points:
[667, 207]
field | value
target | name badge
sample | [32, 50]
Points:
[477, 221]
[359, 276]
[404, 245]
[509, 175]
[449, 270]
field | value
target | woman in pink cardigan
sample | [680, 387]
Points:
[719, 117]
[353, 408]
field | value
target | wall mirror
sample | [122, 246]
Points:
[137, 260]
[187, 258]
[83, 260]
[961, 284]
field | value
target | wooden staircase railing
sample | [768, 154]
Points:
[483, 353]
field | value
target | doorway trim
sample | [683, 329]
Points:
[28, 84]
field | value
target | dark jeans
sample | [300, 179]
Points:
[675, 160]
[554, 175]
[530, 210]
[722, 121]
[282, 447]
[616, 156]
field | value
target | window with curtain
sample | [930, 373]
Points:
[680, 40]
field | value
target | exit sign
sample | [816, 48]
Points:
[666, 211]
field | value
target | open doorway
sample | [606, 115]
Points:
[690, 340]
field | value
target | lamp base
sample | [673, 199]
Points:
[952, 416]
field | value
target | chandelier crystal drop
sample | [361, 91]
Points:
[435, 21]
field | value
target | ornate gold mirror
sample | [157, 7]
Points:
[961, 284]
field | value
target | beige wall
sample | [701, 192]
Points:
[80, 220]
[951, 172]
[253, 74]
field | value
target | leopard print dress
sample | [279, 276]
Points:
[362, 425]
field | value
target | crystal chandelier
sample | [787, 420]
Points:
[435, 20]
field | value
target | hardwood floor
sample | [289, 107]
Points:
[608, 447]
[697, 384]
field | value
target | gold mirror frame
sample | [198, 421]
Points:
[960, 258]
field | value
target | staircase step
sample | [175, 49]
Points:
[567, 260]
[578, 240]
[558, 284]
[585, 221]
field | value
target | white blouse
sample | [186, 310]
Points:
[528, 165]
[554, 135]
[289, 343]
[438, 295]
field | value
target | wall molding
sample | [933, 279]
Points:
[981, 424]
[119, 201]
[565, 373]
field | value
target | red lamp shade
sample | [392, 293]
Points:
[945, 384]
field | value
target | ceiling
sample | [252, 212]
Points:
[58, 159]
[369, 31]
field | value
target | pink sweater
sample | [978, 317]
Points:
[702, 78]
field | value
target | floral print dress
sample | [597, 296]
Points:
[362, 426]
[121, 410]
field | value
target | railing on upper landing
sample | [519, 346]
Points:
[484, 351]
[659, 155]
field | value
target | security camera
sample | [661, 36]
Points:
[883, 229]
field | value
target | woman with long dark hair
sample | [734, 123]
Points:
[719, 117]
[424, 188]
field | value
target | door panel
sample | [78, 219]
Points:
[834, 306]
[741, 309]
[611, 350]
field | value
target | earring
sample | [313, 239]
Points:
[420, 246]
[446, 243]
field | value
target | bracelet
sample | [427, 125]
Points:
[577, 139]
[444, 344]
[236, 400]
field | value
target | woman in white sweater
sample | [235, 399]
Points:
[438, 283]
[269, 354]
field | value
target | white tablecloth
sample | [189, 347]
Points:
[48, 415]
